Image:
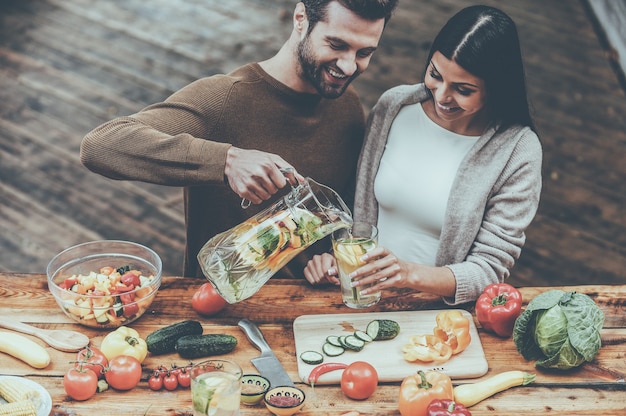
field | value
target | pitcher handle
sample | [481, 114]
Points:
[289, 173]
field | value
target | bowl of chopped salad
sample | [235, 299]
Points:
[105, 284]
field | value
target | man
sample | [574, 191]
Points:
[226, 137]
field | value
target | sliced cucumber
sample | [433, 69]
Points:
[363, 336]
[342, 341]
[354, 343]
[312, 357]
[333, 340]
[382, 329]
[332, 350]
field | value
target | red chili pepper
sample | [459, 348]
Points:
[498, 307]
[446, 407]
[324, 368]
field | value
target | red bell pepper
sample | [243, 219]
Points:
[446, 407]
[498, 307]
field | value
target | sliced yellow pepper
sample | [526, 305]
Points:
[426, 348]
[454, 329]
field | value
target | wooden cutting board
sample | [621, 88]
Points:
[310, 332]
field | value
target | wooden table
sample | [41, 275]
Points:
[597, 388]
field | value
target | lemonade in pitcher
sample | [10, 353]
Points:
[239, 261]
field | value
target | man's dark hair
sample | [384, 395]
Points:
[367, 9]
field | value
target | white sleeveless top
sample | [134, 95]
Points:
[413, 182]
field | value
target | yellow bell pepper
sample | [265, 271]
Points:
[418, 390]
[124, 341]
[454, 329]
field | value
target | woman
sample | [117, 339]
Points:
[450, 170]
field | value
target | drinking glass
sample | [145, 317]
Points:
[349, 244]
[216, 388]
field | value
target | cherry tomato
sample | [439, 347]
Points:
[161, 369]
[155, 382]
[80, 383]
[184, 378]
[207, 301]
[93, 359]
[359, 380]
[170, 381]
[124, 372]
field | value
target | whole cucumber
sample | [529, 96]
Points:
[163, 340]
[197, 346]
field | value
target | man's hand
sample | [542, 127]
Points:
[255, 175]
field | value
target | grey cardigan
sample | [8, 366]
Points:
[493, 199]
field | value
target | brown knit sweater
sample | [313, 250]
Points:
[183, 142]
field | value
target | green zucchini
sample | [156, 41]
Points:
[163, 340]
[196, 346]
[382, 329]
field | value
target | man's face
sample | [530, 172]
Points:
[337, 50]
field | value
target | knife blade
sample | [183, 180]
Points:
[267, 363]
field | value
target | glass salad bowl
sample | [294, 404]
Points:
[105, 284]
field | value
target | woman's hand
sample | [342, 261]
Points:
[383, 270]
[322, 268]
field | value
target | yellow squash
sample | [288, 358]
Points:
[24, 349]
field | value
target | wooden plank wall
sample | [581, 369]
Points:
[66, 66]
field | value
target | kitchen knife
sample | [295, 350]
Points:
[267, 363]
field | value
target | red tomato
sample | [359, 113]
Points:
[170, 381]
[184, 378]
[124, 372]
[93, 359]
[207, 301]
[359, 380]
[80, 384]
[155, 382]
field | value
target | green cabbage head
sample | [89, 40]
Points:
[559, 329]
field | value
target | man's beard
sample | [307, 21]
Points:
[313, 72]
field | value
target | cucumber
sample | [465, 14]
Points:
[332, 350]
[362, 336]
[354, 343]
[312, 357]
[382, 329]
[163, 340]
[196, 346]
[333, 340]
[342, 341]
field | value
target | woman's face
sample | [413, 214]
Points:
[458, 95]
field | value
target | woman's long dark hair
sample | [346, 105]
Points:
[484, 41]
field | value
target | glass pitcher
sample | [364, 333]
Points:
[240, 260]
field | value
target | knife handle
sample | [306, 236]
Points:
[254, 334]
